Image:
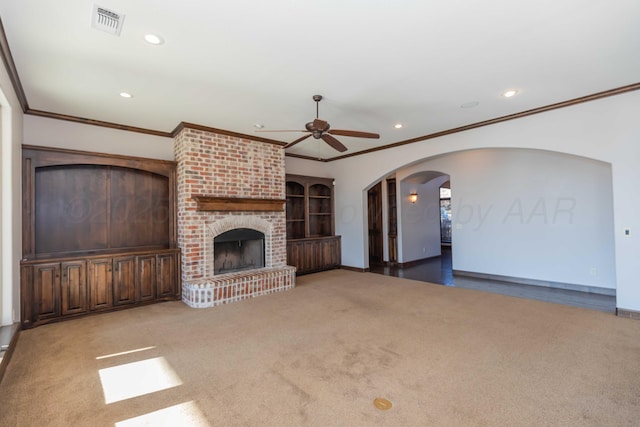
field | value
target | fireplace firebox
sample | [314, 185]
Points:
[238, 250]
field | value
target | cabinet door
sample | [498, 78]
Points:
[313, 254]
[295, 256]
[100, 283]
[146, 277]
[124, 280]
[74, 287]
[166, 275]
[46, 291]
[333, 252]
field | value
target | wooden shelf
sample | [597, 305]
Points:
[311, 243]
[227, 204]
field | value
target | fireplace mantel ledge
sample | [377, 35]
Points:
[233, 204]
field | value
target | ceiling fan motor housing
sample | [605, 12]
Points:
[315, 130]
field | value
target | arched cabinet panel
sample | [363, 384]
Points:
[99, 233]
[311, 242]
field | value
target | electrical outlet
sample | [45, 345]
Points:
[593, 271]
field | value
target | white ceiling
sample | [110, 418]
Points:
[231, 64]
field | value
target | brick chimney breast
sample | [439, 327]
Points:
[215, 165]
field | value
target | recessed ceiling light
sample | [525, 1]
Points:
[510, 93]
[153, 39]
[126, 95]
[258, 126]
[470, 104]
[398, 126]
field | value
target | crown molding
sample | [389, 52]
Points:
[100, 123]
[300, 156]
[563, 104]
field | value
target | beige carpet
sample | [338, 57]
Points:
[320, 354]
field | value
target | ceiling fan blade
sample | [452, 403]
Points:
[334, 143]
[320, 125]
[296, 141]
[288, 130]
[354, 133]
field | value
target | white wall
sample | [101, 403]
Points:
[531, 214]
[419, 223]
[10, 193]
[298, 166]
[607, 130]
[46, 132]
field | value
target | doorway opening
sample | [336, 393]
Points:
[416, 238]
[445, 214]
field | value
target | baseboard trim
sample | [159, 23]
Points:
[629, 314]
[534, 282]
[8, 339]
[356, 269]
[415, 261]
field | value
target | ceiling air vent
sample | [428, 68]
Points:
[106, 20]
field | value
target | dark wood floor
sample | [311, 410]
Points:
[439, 270]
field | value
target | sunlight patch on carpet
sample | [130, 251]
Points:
[136, 379]
[122, 353]
[184, 414]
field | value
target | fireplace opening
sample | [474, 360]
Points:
[237, 250]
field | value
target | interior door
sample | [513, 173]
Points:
[374, 209]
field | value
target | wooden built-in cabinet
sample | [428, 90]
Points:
[58, 289]
[98, 233]
[316, 254]
[311, 243]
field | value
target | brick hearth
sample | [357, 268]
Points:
[215, 165]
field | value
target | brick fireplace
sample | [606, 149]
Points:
[226, 183]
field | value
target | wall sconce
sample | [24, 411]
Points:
[413, 197]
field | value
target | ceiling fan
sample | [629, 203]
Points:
[320, 129]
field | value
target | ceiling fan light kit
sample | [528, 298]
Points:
[320, 129]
